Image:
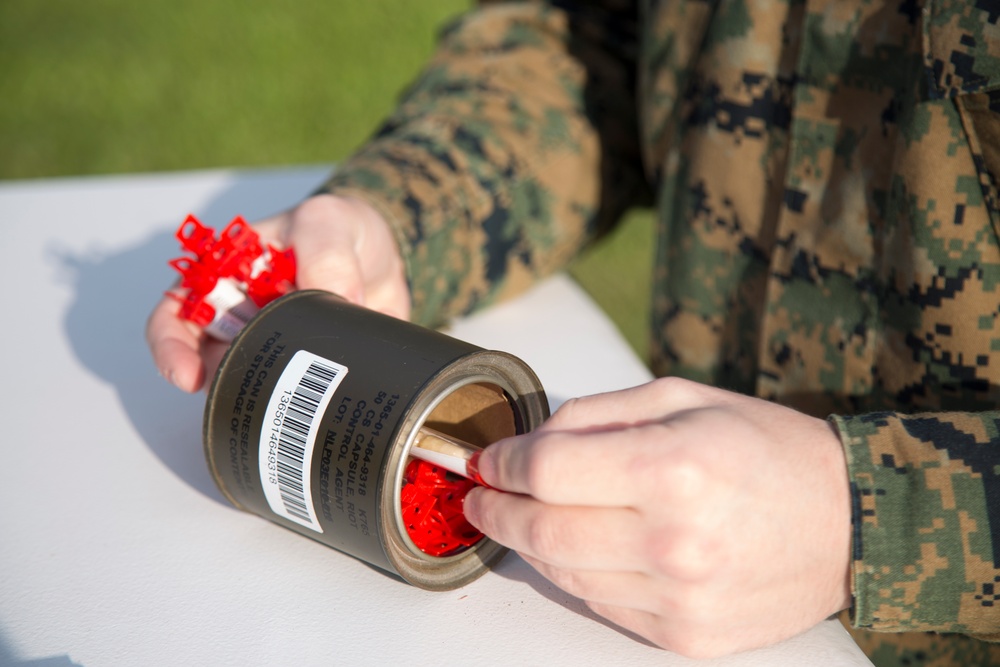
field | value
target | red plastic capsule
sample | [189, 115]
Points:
[432, 501]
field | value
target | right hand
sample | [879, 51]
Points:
[342, 245]
[705, 521]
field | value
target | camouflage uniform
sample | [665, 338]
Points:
[824, 173]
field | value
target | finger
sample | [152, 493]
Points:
[565, 537]
[212, 352]
[274, 230]
[611, 468]
[175, 347]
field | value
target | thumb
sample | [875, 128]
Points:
[325, 239]
[334, 268]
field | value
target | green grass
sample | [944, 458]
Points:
[617, 273]
[108, 86]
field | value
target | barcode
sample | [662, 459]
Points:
[294, 434]
[288, 434]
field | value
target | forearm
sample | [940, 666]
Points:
[515, 147]
[926, 519]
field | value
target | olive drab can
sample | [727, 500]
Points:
[314, 408]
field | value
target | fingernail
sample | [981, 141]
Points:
[167, 375]
[484, 467]
[472, 467]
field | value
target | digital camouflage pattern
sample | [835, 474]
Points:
[825, 177]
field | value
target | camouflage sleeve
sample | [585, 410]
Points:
[926, 518]
[515, 147]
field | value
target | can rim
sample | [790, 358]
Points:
[527, 398]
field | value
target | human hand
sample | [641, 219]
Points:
[342, 245]
[705, 521]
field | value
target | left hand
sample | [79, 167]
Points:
[342, 245]
[705, 521]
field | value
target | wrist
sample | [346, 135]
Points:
[840, 472]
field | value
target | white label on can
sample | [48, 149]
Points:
[288, 435]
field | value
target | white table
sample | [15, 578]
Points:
[117, 549]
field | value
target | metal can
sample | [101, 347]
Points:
[316, 404]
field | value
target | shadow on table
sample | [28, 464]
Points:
[54, 661]
[514, 568]
[114, 293]
[8, 659]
